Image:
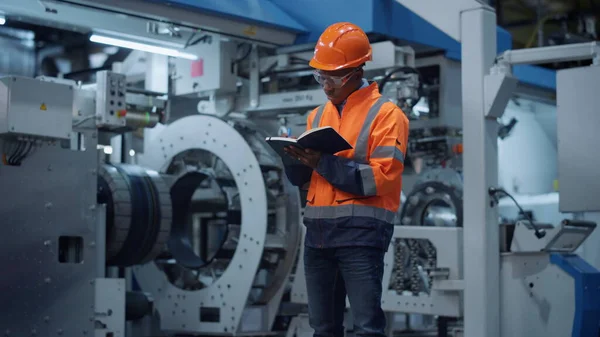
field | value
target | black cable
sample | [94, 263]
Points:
[19, 159]
[207, 38]
[189, 40]
[13, 151]
[17, 153]
[10, 152]
[246, 54]
[494, 191]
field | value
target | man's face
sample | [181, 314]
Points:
[337, 84]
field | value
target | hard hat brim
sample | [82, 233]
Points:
[328, 67]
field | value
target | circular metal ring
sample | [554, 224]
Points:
[435, 189]
[432, 193]
[230, 291]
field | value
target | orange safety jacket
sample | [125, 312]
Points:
[354, 196]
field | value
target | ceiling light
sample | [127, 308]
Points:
[141, 46]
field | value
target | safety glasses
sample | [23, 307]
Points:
[334, 81]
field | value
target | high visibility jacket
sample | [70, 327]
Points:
[354, 196]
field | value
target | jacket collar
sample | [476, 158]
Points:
[364, 91]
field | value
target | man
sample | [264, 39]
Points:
[353, 196]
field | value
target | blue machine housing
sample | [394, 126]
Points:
[586, 322]
[309, 18]
[260, 12]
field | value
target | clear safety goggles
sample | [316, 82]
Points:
[334, 81]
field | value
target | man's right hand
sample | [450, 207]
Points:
[308, 157]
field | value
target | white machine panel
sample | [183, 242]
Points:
[110, 307]
[110, 99]
[531, 304]
[578, 119]
[213, 71]
[30, 107]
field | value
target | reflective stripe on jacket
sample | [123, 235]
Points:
[354, 196]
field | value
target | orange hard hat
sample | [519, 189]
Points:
[342, 45]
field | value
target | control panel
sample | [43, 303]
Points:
[111, 107]
[33, 108]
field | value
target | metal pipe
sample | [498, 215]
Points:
[254, 77]
[562, 53]
[141, 119]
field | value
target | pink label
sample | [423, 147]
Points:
[198, 68]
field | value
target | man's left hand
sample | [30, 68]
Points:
[308, 157]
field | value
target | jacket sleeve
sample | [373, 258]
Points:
[389, 138]
[342, 173]
[300, 175]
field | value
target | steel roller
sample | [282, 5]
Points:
[138, 213]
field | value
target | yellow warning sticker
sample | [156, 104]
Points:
[250, 30]
[43, 107]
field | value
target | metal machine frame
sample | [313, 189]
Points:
[484, 97]
[134, 19]
[486, 87]
[58, 210]
[230, 292]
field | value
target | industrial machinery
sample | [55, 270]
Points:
[209, 230]
[63, 232]
[235, 277]
[533, 257]
[177, 220]
[236, 226]
[207, 221]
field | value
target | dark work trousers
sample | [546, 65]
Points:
[333, 273]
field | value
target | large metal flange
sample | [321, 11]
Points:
[178, 308]
[138, 219]
[447, 176]
[434, 188]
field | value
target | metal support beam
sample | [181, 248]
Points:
[157, 80]
[130, 19]
[254, 77]
[499, 89]
[196, 18]
[562, 53]
[481, 233]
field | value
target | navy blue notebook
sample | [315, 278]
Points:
[324, 139]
